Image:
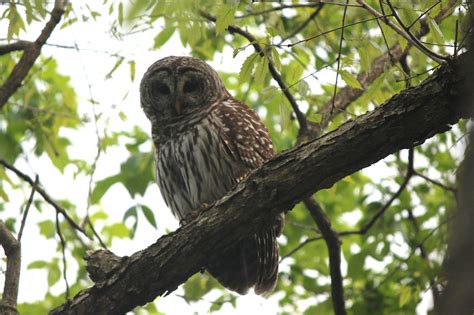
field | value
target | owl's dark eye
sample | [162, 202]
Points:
[190, 86]
[162, 88]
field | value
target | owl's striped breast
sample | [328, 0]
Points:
[194, 167]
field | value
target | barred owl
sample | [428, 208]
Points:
[206, 142]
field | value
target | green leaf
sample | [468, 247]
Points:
[131, 63]
[116, 65]
[247, 68]
[303, 88]
[436, 31]
[47, 228]
[261, 71]
[29, 11]
[102, 186]
[37, 264]
[163, 36]
[120, 14]
[224, 17]
[268, 93]
[405, 295]
[54, 273]
[350, 79]
[118, 230]
[355, 266]
[276, 58]
[149, 215]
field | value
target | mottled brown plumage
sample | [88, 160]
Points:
[206, 142]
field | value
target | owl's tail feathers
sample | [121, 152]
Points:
[253, 262]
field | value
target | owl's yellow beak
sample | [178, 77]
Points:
[177, 105]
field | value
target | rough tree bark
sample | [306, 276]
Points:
[406, 120]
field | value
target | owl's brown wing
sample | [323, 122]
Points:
[244, 133]
[254, 260]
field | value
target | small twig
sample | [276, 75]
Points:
[347, 94]
[304, 24]
[330, 31]
[339, 55]
[413, 251]
[381, 211]
[27, 208]
[334, 249]
[12, 250]
[303, 123]
[424, 255]
[63, 250]
[279, 8]
[300, 246]
[456, 38]
[435, 182]
[45, 196]
[404, 32]
[423, 14]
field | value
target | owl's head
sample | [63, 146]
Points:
[174, 88]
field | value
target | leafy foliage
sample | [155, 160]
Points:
[387, 270]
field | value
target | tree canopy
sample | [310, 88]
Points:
[363, 101]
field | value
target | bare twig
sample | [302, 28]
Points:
[300, 246]
[414, 249]
[347, 95]
[341, 39]
[330, 31]
[435, 182]
[405, 33]
[12, 250]
[45, 196]
[424, 255]
[27, 208]
[63, 251]
[387, 205]
[423, 14]
[303, 123]
[304, 24]
[30, 54]
[334, 250]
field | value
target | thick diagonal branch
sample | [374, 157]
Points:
[30, 54]
[405, 120]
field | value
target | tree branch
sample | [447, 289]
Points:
[12, 275]
[30, 54]
[16, 46]
[347, 95]
[334, 249]
[45, 196]
[406, 120]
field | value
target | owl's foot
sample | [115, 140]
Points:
[193, 214]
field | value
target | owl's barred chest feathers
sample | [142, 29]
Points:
[200, 163]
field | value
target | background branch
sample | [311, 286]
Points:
[45, 196]
[334, 249]
[347, 95]
[12, 275]
[30, 54]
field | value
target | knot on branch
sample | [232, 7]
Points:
[101, 263]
